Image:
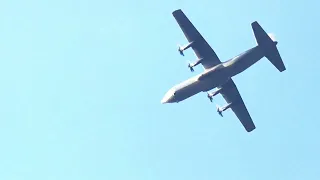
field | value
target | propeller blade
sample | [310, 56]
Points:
[210, 97]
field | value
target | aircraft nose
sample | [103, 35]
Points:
[165, 99]
[168, 97]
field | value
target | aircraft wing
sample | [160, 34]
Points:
[201, 48]
[231, 94]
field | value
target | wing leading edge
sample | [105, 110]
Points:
[231, 94]
[199, 45]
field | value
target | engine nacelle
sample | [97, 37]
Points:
[210, 95]
[221, 109]
[194, 64]
[181, 49]
[216, 92]
[226, 107]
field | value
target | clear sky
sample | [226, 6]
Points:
[81, 84]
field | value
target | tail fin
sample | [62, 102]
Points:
[269, 46]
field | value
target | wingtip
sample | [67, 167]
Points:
[254, 23]
[250, 129]
[281, 70]
[177, 11]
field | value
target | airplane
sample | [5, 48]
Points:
[217, 74]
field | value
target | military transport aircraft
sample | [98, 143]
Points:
[219, 74]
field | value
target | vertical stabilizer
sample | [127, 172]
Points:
[268, 45]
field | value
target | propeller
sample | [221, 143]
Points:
[210, 97]
[190, 66]
[180, 50]
[219, 110]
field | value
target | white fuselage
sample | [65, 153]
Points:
[213, 77]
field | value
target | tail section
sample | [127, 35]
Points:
[269, 46]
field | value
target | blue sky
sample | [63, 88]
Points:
[81, 84]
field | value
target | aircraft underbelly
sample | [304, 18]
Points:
[189, 91]
[246, 60]
[199, 86]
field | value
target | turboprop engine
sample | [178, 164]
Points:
[210, 95]
[221, 109]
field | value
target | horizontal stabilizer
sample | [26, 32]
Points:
[275, 58]
[268, 45]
